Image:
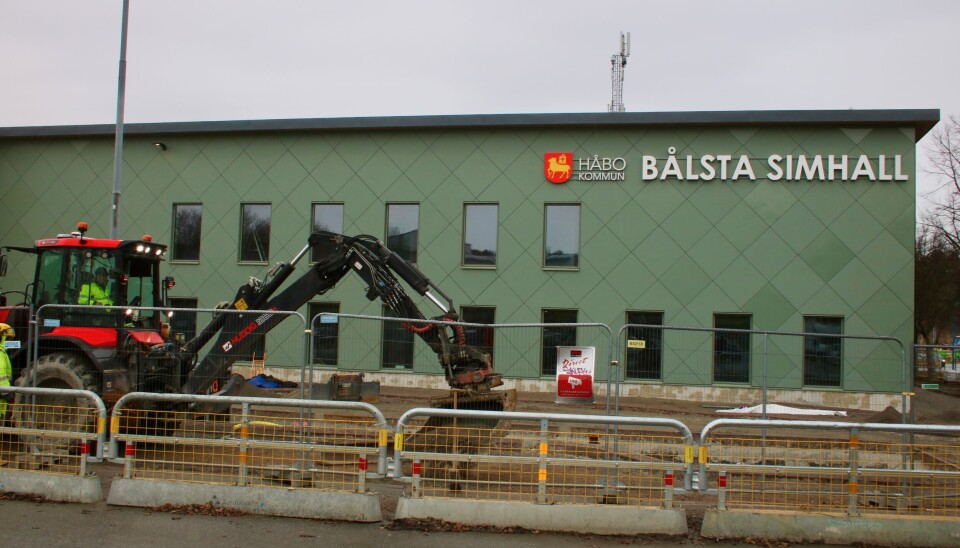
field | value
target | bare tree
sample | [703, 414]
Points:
[943, 154]
[937, 287]
[937, 266]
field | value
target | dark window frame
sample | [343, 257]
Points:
[730, 347]
[558, 257]
[326, 335]
[398, 243]
[184, 303]
[483, 338]
[644, 364]
[313, 221]
[822, 355]
[176, 248]
[263, 249]
[562, 336]
[397, 346]
[478, 262]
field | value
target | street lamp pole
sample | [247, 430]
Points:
[118, 141]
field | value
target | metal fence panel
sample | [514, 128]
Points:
[51, 430]
[543, 458]
[262, 442]
[830, 467]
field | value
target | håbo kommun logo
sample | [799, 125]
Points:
[558, 166]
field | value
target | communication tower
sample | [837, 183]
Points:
[618, 64]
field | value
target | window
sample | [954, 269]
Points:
[183, 322]
[561, 236]
[326, 332]
[186, 232]
[822, 355]
[397, 344]
[479, 337]
[480, 235]
[731, 350]
[403, 221]
[328, 218]
[556, 336]
[645, 363]
[255, 233]
[49, 289]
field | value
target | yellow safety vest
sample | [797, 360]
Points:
[92, 293]
[6, 371]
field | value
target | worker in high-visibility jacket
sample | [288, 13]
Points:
[6, 369]
[96, 291]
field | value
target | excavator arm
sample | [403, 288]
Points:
[465, 367]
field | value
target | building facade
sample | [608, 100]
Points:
[785, 221]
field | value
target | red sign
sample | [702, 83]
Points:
[575, 386]
[558, 166]
[575, 371]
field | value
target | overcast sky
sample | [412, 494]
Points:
[241, 59]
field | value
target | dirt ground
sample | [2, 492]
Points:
[941, 406]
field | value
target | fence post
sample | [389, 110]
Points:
[668, 489]
[382, 436]
[722, 490]
[852, 485]
[361, 473]
[542, 472]
[244, 437]
[84, 454]
[128, 453]
[415, 484]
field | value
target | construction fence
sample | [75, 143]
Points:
[166, 425]
[277, 449]
[729, 367]
[719, 366]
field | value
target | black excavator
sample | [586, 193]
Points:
[120, 348]
[468, 370]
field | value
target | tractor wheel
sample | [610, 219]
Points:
[153, 418]
[56, 414]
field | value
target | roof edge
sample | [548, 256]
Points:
[923, 120]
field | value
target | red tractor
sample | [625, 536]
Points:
[84, 348]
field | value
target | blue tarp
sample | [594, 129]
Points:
[264, 382]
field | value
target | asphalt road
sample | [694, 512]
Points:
[52, 525]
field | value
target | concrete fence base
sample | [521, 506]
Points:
[836, 529]
[84, 489]
[294, 503]
[580, 518]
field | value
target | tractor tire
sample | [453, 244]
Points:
[153, 418]
[56, 414]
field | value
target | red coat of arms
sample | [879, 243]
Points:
[558, 166]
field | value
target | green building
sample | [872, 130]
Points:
[778, 221]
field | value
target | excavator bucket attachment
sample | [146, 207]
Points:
[492, 400]
[453, 435]
[459, 434]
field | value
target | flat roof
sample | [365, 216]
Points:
[922, 120]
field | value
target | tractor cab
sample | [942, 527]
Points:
[75, 270]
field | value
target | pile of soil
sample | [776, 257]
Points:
[887, 416]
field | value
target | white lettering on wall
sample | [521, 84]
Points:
[801, 167]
